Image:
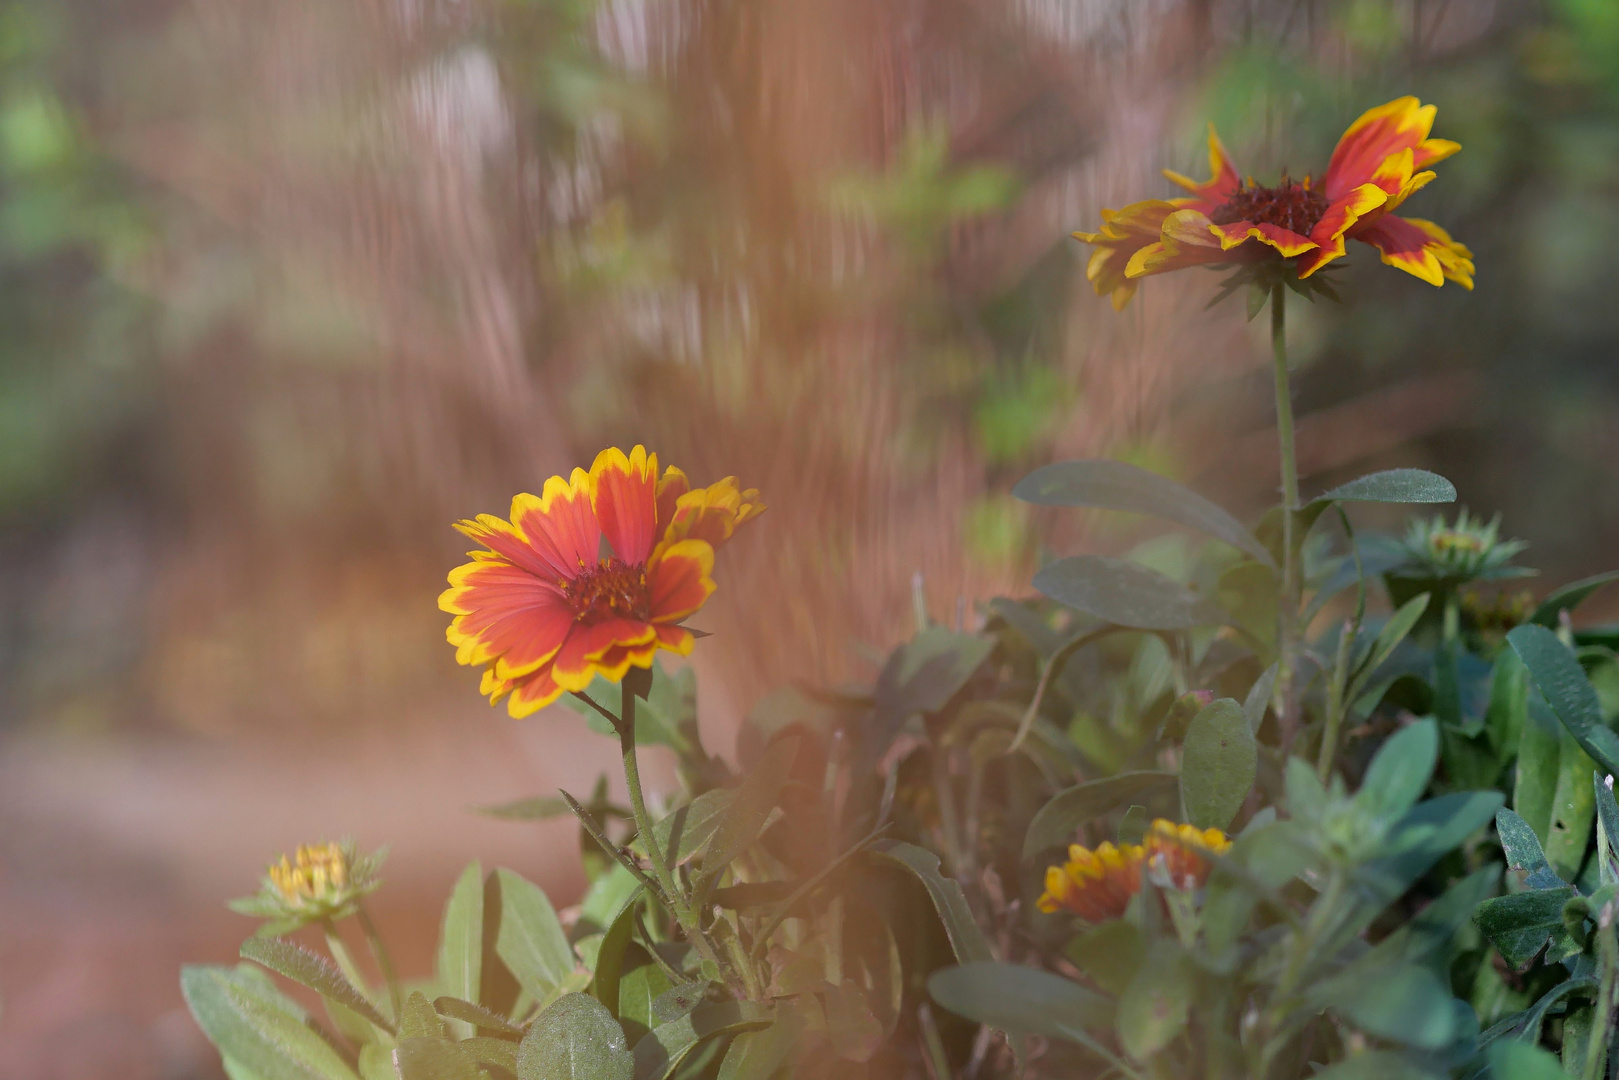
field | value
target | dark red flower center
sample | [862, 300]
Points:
[1290, 204]
[610, 588]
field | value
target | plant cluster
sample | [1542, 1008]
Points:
[1192, 811]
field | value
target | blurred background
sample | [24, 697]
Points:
[286, 288]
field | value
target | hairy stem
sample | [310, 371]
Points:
[379, 951]
[1288, 605]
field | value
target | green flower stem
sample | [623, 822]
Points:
[1602, 1021]
[384, 961]
[1336, 705]
[679, 902]
[1287, 609]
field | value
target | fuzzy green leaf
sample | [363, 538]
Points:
[966, 939]
[1155, 1006]
[435, 1059]
[661, 1050]
[1398, 774]
[1518, 925]
[1523, 851]
[459, 963]
[1559, 677]
[575, 1038]
[1218, 764]
[253, 1025]
[1055, 822]
[1115, 485]
[1020, 1000]
[314, 971]
[687, 829]
[1124, 593]
[1405, 1004]
[1394, 486]
[529, 939]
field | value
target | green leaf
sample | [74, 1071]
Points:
[1514, 1060]
[576, 1038]
[418, 1019]
[757, 1055]
[637, 990]
[1518, 925]
[314, 971]
[661, 1050]
[740, 823]
[1247, 593]
[1523, 851]
[1573, 808]
[1539, 749]
[966, 939]
[1607, 832]
[1376, 1065]
[1258, 699]
[1110, 953]
[922, 675]
[1054, 824]
[1124, 593]
[1020, 1000]
[476, 1016]
[662, 717]
[255, 1026]
[1218, 764]
[1559, 677]
[1399, 773]
[487, 1051]
[1115, 485]
[1388, 639]
[1569, 597]
[1406, 1004]
[609, 968]
[1394, 486]
[851, 1025]
[529, 939]
[459, 963]
[434, 1059]
[1535, 1015]
[1155, 1006]
[537, 809]
[687, 829]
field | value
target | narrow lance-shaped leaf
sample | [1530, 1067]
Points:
[1573, 809]
[258, 1029]
[1607, 831]
[948, 900]
[1388, 639]
[1394, 486]
[530, 940]
[660, 1051]
[1020, 1000]
[435, 1059]
[314, 971]
[1115, 485]
[1560, 679]
[742, 821]
[1523, 851]
[1399, 772]
[460, 941]
[1055, 822]
[1569, 597]
[1124, 593]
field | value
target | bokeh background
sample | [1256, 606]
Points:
[287, 287]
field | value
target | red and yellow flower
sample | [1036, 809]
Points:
[592, 576]
[1097, 885]
[1381, 161]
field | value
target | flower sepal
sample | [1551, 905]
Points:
[1261, 278]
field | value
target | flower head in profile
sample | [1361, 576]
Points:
[1097, 885]
[1298, 226]
[316, 882]
[1470, 549]
[591, 577]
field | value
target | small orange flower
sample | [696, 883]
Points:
[1097, 885]
[545, 609]
[1232, 221]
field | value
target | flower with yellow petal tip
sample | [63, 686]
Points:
[545, 609]
[1178, 855]
[316, 882]
[1299, 225]
[1097, 885]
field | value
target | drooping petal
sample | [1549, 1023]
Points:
[1122, 235]
[504, 614]
[1222, 182]
[560, 525]
[671, 486]
[1402, 124]
[1185, 240]
[681, 579]
[531, 693]
[713, 513]
[1340, 216]
[1433, 151]
[1421, 249]
[677, 639]
[577, 662]
[626, 501]
[1286, 241]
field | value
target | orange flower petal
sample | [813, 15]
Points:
[532, 693]
[1421, 249]
[1399, 125]
[677, 639]
[1328, 233]
[577, 662]
[1185, 240]
[713, 513]
[626, 501]
[559, 526]
[681, 578]
[1223, 177]
[1123, 234]
[1286, 241]
[670, 488]
[504, 614]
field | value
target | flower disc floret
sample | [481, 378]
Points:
[315, 882]
[591, 577]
